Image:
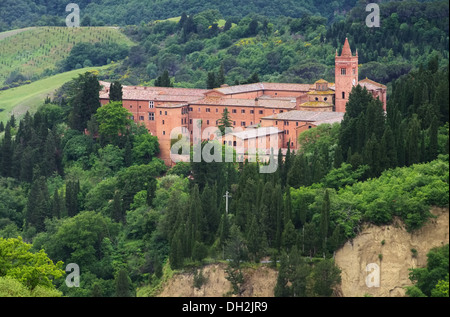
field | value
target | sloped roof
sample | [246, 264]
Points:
[283, 103]
[308, 116]
[346, 50]
[256, 133]
[263, 86]
[155, 93]
[371, 85]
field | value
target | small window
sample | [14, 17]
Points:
[343, 95]
[141, 118]
[317, 98]
[165, 113]
[163, 122]
[208, 110]
[261, 112]
[252, 111]
[343, 71]
[325, 99]
[164, 132]
[234, 111]
[151, 104]
[207, 122]
[242, 111]
[242, 124]
[151, 116]
[217, 110]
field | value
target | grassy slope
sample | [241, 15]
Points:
[32, 51]
[29, 97]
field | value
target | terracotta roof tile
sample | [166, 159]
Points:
[263, 86]
[308, 116]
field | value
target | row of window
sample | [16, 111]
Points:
[344, 71]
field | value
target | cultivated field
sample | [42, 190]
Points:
[34, 52]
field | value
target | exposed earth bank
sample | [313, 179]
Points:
[388, 249]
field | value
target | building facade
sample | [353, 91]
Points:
[290, 108]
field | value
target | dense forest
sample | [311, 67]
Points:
[283, 49]
[23, 13]
[80, 183]
[137, 219]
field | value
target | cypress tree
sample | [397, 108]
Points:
[325, 220]
[225, 121]
[391, 148]
[7, 152]
[84, 100]
[338, 157]
[433, 137]
[72, 190]
[115, 93]
[164, 80]
[413, 141]
[38, 208]
[123, 285]
[211, 81]
[220, 76]
[117, 210]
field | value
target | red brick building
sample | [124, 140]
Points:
[291, 108]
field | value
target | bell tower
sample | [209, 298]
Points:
[346, 75]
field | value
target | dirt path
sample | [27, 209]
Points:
[6, 34]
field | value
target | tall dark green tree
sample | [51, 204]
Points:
[38, 206]
[325, 220]
[225, 121]
[84, 100]
[123, 284]
[7, 152]
[72, 190]
[115, 92]
[211, 81]
[164, 80]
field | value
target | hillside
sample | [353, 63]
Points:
[23, 13]
[395, 245]
[352, 259]
[284, 49]
[32, 53]
[25, 98]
